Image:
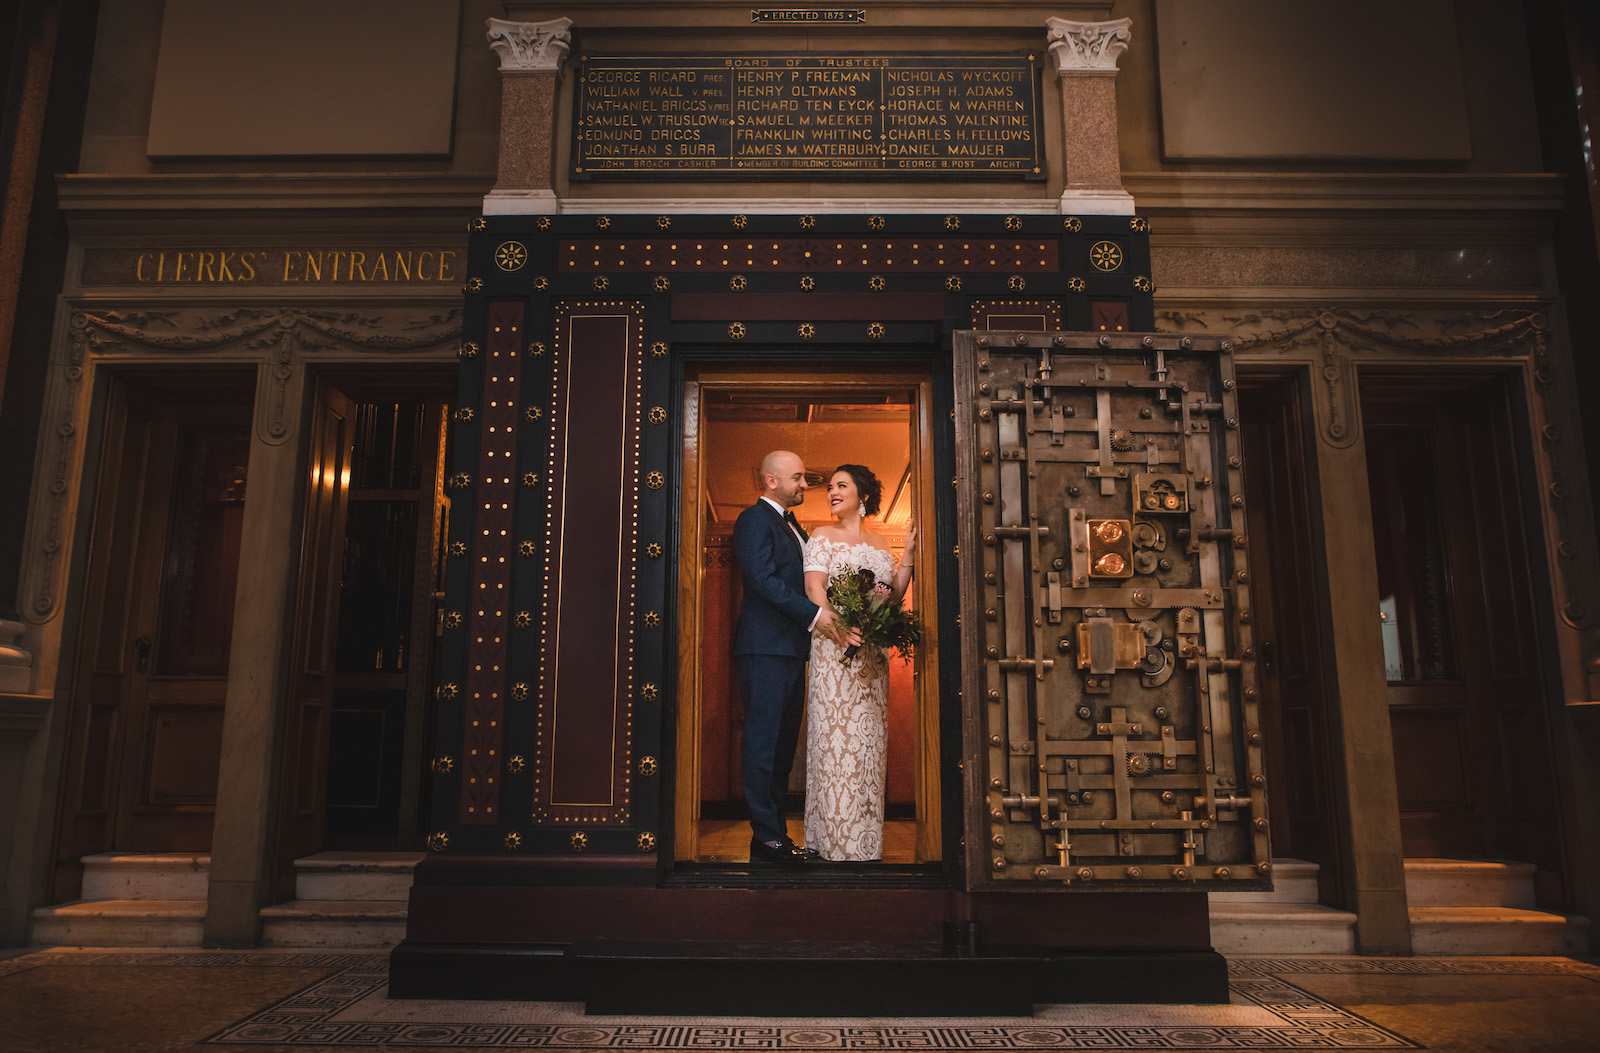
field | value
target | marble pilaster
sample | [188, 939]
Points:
[1086, 55]
[531, 55]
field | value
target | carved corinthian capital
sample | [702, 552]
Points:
[527, 46]
[1088, 45]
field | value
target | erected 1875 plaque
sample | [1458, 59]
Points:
[807, 116]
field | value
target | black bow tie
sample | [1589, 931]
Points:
[788, 517]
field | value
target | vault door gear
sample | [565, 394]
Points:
[1108, 669]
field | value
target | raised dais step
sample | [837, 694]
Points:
[1281, 928]
[1469, 883]
[1497, 930]
[1293, 881]
[355, 875]
[334, 923]
[121, 923]
[160, 875]
[1287, 920]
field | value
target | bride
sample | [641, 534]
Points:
[847, 706]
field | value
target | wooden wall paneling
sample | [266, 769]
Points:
[586, 689]
[691, 524]
[488, 605]
[929, 764]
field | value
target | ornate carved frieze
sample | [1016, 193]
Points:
[278, 340]
[1333, 335]
[1079, 46]
[527, 46]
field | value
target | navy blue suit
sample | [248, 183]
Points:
[771, 644]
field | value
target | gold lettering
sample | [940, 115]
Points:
[324, 266]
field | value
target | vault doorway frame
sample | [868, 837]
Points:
[916, 381]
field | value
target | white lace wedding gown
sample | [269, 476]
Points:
[847, 715]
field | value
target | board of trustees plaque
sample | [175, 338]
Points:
[807, 116]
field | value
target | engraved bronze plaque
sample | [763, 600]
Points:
[807, 116]
[807, 16]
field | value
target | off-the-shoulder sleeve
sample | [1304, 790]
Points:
[816, 554]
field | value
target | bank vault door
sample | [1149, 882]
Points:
[1109, 697]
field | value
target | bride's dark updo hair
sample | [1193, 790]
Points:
[867, 485]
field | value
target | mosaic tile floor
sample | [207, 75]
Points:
[282, 1000]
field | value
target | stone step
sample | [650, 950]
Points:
[1293, 881]
[1469, 883]
[121, 923]
[160, 875]
[334, 923]
[1497, 930]
[355, 875]
[1280, 928]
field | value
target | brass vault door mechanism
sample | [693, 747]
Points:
[1108, 669]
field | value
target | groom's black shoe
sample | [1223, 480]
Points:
[785, 852]
[808, 853]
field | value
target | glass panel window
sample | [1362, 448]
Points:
[1413, 587]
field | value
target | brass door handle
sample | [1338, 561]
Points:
[142, 647]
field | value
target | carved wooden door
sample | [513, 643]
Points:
[1473, 763]
[1108, 665]
[183, 604]
[1295, 717]
[145, 741]
[106, 656]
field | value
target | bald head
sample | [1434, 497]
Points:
[783, 478]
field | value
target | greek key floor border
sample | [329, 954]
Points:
[348, 1008]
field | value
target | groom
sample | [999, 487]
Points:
[770, 646]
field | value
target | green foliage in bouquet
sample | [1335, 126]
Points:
[863, 603]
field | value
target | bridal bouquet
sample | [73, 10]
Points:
[863, 603]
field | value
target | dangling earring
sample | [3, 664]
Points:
[861, 510]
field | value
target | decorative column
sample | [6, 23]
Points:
[1375, 880]
[531, 54]
[1086, 62]
[243, 836]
